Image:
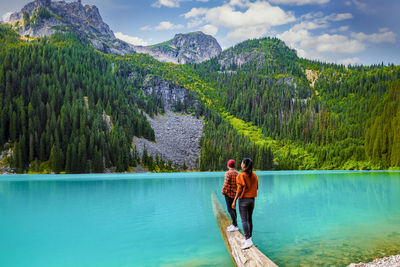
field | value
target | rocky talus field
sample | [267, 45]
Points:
[177, 139]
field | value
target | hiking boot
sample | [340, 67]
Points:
[232, 228]
[247, 244]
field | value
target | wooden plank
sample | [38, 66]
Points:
[233, 241]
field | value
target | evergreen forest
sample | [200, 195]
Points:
[68, 108]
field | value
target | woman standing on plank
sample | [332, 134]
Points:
[229, 191]
[247, 186]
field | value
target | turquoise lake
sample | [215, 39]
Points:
[310, 218]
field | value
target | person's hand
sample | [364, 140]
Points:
[234, 205]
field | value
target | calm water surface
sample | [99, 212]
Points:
[301, 217]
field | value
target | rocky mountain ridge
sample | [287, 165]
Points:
[193, 47]
[43, 18]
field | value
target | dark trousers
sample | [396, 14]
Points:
[246, 207]
[231, 211]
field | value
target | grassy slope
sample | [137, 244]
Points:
[185, 77]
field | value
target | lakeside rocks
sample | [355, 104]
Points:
[4, 167]
[177, 139]
[391, 261]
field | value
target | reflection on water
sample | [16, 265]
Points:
[301, 218]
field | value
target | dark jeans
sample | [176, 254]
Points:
[231, 211]
[246, 207]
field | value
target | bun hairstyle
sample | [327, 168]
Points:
[249, 166]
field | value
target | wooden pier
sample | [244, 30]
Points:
[233, 240]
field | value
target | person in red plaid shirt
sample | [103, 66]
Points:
[229, 191]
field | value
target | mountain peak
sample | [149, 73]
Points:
[192, 47]
[44, 17]
[43, 3]
[190, 34]
[257, 51]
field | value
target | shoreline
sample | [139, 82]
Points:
[390, 261]
[144, 170]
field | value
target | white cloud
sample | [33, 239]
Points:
[299, 2]
[244, 19]
[167, 3]
[194, 23]
[164, 25]
[146, 28]
[6, 17]
[339, 17]
[209, 29]
[340, 29]
[240, 3]
[257, 14]
[361, 6]
[309, 25]
[337, 44]
[243, 33]
[318, 46]
[312, 21]
[130, 39]
[324, 46]
[348, 61]
[195, 12]
[312, 15]
[171, 3]
[384, 36]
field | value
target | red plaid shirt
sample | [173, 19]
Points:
[229, 188]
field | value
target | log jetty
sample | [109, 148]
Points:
[233, 241]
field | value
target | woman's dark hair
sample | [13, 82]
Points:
[249, 166]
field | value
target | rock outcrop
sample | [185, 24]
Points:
[43, 18]
[230, 57]
[391, 261]
[191, 47]
[171, 94]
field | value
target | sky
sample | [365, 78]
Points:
[340, 31]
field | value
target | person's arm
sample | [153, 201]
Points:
[225, 183]
[238, 192]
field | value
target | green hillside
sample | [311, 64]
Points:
[56, 96]
[326, 120]
[69, 108]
